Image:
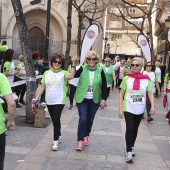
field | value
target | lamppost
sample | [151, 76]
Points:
[105, 41]
[167, 26]
[116, 48]
[108, 49]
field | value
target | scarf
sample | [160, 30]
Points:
[56, 71]
[92, 68]
[137, 77]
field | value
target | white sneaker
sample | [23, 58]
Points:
[133, 152]
[60, 139]
[129, 157]
[55, 145]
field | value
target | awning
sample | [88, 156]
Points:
[161, 48]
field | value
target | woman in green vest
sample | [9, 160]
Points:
[90, 94]
[110, 74]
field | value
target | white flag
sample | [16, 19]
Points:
[88, 40]
[143, 43]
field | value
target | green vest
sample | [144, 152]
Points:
[109, 74]
[84, 82]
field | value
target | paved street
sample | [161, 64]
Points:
[29, 148]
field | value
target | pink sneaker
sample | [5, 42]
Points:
[79, 146]
[86, 141]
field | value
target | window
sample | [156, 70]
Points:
[114, 37]
[115, 11]
[132, 11]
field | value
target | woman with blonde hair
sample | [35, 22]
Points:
[90, 94]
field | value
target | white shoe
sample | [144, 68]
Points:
[133, 152]
[60, 139]
[55, 145]
[129, 157]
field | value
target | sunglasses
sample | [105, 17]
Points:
[107, 61]
[122, 63]
[57, 62]
[91, 59]
[148, 65]
[135, 65]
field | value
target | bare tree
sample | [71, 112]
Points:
[26, 49]
[145, 12]
[69, 27]
[90, 9]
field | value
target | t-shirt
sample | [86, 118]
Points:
[153, 77]
[166, 79]
[89, 94]
[121, 72]
[74, 81]
[9, 66]
[158, 73]
[3, 47]
[135, 100]
[21, 68]
[55, 84]
[4, 90]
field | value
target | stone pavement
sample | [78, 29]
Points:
[30, 148]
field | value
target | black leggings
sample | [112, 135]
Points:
[2, 150]
[132, 124]
[55, 113]
[72, 92]
[119, 82]
[108, 91]
[20, 90]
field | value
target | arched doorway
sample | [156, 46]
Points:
[37, 39]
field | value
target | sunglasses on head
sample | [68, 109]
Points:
[135, 65]
[91, 59]
[57, 62]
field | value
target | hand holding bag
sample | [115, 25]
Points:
[164, 101]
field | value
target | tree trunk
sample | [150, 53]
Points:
[69, 27]
[151, 36]
[28, 61]
[79, 35]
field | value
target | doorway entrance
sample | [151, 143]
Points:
[37, 39]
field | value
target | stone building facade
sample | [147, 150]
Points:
[122, 35]
[35, 16]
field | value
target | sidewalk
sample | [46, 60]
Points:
[30, 148]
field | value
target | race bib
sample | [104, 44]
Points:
[90, 89]
[137, 99]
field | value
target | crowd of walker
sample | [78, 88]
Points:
[89, 84]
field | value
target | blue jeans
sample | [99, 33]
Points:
[87, 110]
[148, 108]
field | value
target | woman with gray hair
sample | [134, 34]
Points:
[132, 101]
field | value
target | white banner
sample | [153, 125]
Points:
[143, 43]
[88, 40]
[23, 81]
